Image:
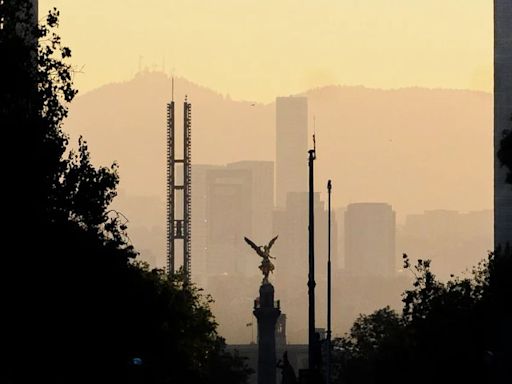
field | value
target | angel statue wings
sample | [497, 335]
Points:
[263, 251]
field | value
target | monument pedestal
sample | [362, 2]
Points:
[267, 312]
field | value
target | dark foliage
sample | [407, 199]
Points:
[75, 305]
[454, 332]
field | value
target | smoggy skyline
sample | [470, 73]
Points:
[284, 47]
[378, 145]
[384, 155]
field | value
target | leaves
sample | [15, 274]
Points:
[86, 295]
[444, 328]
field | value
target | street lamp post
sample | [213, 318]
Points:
[312, 359]
[328, 378]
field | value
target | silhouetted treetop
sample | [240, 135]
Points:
[78, 308]
[448, 332]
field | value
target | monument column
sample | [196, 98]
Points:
[267, 313]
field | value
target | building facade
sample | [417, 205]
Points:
[370, 239]
[229, 219]
[262, 188]
[291, 147]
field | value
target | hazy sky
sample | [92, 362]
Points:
[258, 49]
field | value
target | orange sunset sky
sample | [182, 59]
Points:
[257, 49]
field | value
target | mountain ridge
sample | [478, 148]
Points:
[302, 93]
[416, 148]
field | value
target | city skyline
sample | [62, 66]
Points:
[400, 266]
[410, 160]
[218, 255]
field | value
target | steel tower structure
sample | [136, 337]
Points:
[179, 229]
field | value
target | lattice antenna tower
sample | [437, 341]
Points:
[179, 230]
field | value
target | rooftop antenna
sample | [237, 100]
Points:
[329, 331]
[314, 132]
[172, 88]
[312, 342]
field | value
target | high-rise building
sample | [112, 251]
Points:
[370, 239]
[229, 206]
[453, 241]
[238, 202]
[291, 146]
[262, 175]
[502, 116]
[340, 236]
[291, 224]
[200, 221]
[229, 202]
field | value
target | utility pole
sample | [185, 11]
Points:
[328, 379]
[312, 359]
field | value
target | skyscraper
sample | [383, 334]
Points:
[262, 204]
[200, 221]
[453, 241]
[262, 174]
[370, 239]
[237, 201]
[291, 146]
[502, 116]
[229, 206]
[291, 224]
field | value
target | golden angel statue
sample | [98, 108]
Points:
[263, 251]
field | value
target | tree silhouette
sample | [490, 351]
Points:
[448, 332]
[75, 305]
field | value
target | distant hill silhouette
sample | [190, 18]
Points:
[415, 148]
